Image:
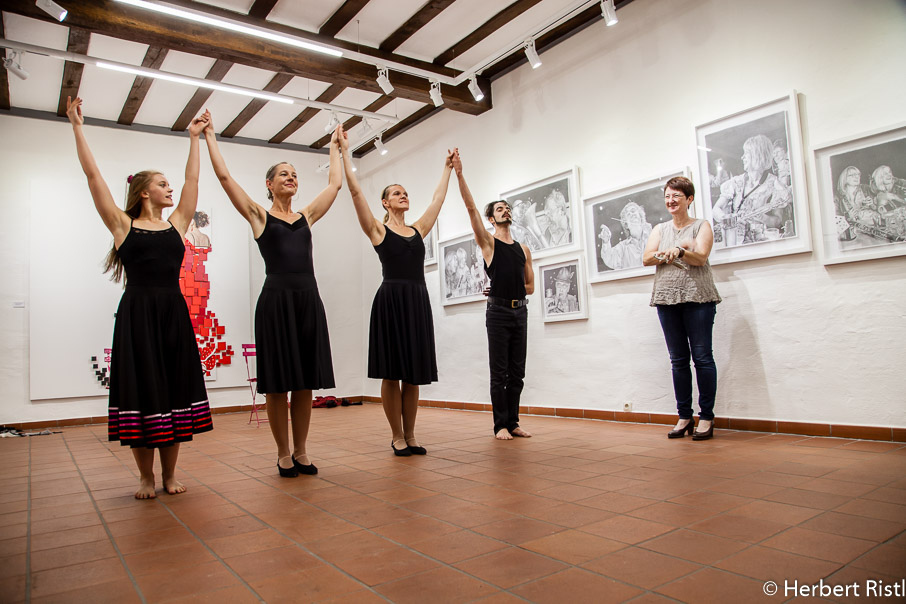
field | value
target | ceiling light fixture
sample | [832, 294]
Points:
[13, 64]
[52, 8]
[366, 126]
[609, 12]
[250, 30]
[383, 80]
[474, 89]
[332, 123]
[435, 95]
[379, 145]
[532, 54]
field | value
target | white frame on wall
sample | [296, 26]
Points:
[473, 249]
[431, 246]
[556, 264]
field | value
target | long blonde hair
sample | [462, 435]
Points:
[138, 184]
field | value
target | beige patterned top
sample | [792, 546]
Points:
[673, 285]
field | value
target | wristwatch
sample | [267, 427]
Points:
[682, 252]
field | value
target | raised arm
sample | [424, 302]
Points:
[484, 239]
[320, 204]
[426, 222]
[251, 211]
[188, 197]
[529, 271]
[373, 229]
[116, 220]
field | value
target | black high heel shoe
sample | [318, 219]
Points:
[682, 431]
[404, 452]
[309, 470]
[709, 433]
[287, 472]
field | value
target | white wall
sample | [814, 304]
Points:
[794, 340]
[43, 158]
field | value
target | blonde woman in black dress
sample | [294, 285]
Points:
[157, 392]
[291, 337]
[401, 338]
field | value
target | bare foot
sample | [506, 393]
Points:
[503, 434]
[145, 490]
[521, 433]
[173, 486]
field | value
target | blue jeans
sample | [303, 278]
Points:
[687, 329]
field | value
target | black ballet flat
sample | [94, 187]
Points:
[406, 452]
[418, 450]
[690, 427]
[309, 470]
[287, 472]
[709, 433]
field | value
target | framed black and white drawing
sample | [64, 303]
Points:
[563, 289]
[546, 214]
[461, 266]
[431, 247]
[617, 226]
[752, 182]
[862, 195]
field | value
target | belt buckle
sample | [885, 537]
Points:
[514, 303]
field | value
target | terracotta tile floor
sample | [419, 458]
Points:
[584, 511]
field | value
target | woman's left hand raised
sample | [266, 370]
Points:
[199, 123]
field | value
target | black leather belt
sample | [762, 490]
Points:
[494, 301]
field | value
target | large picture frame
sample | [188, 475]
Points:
[862, 195]
[546, 214]
[431, 246]
[563, 290]
[752, 182]
[617, 226]
[461, 268]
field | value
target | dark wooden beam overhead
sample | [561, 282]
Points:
[341, 17]
[138, 25]
[154, 57]
[72, 72]
[4, 77]
[275, 85]
[332, 92]
[430, 10]
[486, 29]
[378, 103]
[262, 8]
[402, 126]
[217, 72]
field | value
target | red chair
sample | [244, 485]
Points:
[248, 350]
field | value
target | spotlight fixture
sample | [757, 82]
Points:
[52, 8]
[353, 166]
[435, 93]
[474, 89]
[366, 126]
[609, 12]
[532, 54]
[13, 64]
[383, 80]
[379, 145]
[332, 123]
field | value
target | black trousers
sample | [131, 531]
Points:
[507, 339]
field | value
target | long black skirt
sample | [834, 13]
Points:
[401, 338]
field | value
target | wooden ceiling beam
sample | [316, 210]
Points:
[332, 92]
[421, 18]
[341, 17]
[216, 73]
[137, 25]
[4, 77]
[262, 8]
[72, 72]
[275, 85]
[486, 29]
[403, 125]
[154, 57]
[355, 120]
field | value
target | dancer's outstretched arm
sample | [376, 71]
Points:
[373, 229]
[426, 222]
[484, 239]
[188, 197]
[251, 211]
[320, 204]
[116, 220]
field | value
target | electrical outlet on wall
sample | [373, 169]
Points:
[627, 406]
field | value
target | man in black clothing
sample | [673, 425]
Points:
[508, 263]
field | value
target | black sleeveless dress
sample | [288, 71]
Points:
[157, 392]
[401, 340]
[291, 335]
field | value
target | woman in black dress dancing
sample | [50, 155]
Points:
[157, 393]
[293, 345]
[401, 340]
